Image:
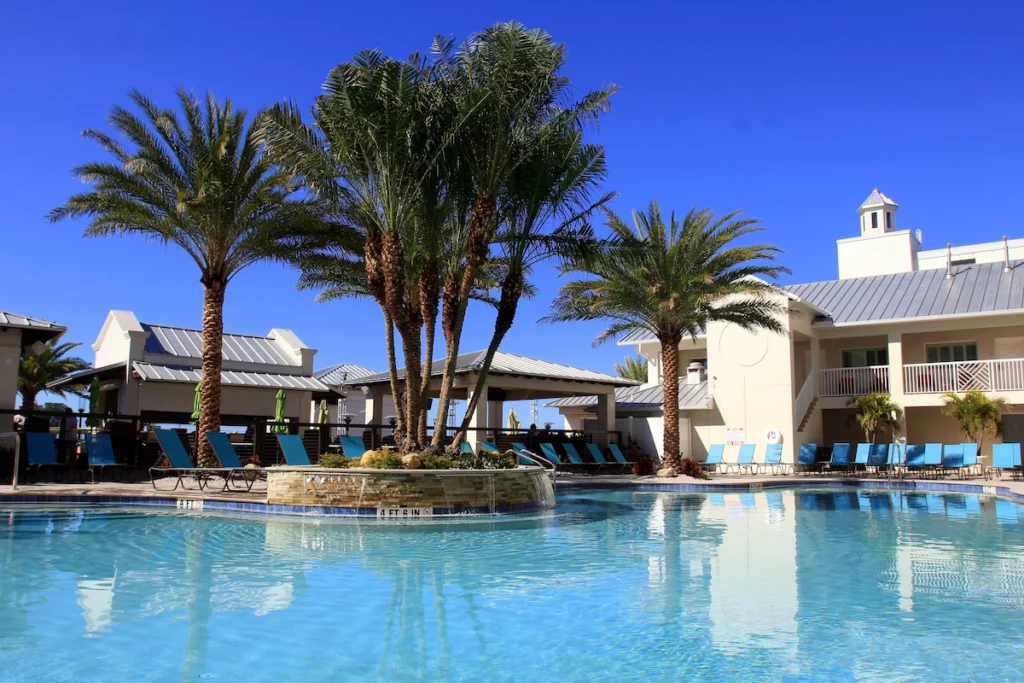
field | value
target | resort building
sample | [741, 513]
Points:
[914, 323]
[152, 371]
[19, 333]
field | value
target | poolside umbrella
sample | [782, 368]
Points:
[279, 426]
[513, 421]
[325, 415]
[94, 402]
[197, 402]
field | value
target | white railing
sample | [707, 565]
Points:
[855, 381]
[982, 375]
[804, 398]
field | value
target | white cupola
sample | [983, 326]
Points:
[877, 214]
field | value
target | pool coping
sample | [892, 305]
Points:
[219, 504]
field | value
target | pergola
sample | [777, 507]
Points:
[511, 378]
[18, 333]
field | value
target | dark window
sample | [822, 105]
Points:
[888, 220]
[865, 358]
[951, 353]
[874, 220]
[963, 262]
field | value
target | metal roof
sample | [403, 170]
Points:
[691, 397]
[876, 198]
[343, 373]
[24, 322]
[505, 363]
[165, 373]
[242, 348]
[87, 374]
[973, 289]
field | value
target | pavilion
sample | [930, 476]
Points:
[19, 333]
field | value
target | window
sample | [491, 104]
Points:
[888, 221]
[864, 358]
[963, 262]
[950, 353]
[874, 220]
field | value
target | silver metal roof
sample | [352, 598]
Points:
[691, 397]
[165, 373]
[973, 289]
[505, 363]
[876, 198]
[342, 374]
[183, 342]
[24, 322]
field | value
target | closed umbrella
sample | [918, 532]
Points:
[279, 427]
[94, 402]
[325, 415]
[197, 402]
[513, 421]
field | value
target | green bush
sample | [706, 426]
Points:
[433, 461]
[499, 461]
[387, 459]
[333, 460]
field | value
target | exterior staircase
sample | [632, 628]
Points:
[807, 414]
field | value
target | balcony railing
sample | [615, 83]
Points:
[854, 381]
[980, 375]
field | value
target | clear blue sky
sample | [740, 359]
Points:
[790, 111]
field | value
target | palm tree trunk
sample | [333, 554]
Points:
[449, 306]
[389, 338]
[413, 406]
[670, 385]
[28, 399]
[213, 358]
[429, 294]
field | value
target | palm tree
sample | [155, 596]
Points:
[511, 98]
[633, 367]
[196, 179]
[875, 412]
[673, 280]
[976, 414]
[54, 363]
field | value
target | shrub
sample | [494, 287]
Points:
[387, 459]
[692, 468]
[499, 461]
[431, 460]
[334, 460]
[643, 466]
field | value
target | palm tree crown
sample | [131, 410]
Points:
[54, 363]
[876, 411]
[976, 414]
[633, 367]
[196, 179]
[672, 280]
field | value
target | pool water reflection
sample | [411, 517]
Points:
[831, 584]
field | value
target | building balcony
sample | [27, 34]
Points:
[982, 375]
[843, 382]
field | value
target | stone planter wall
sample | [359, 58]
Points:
[375, 492]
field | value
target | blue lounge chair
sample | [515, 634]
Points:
[840, 460]
[1005, 456]
[598, 456]
[490, 447]
[970, 463]
[293, 450]
[352, 446]
[41, 450]
[101, 454]
[860, 458]
[521, 448]
[806, 459]
[578, 462]
[913, 458]
[878, 456]
[714, 459]
[180, 463]
[932, 458]
[744, 460]
[549, 452]
[773, 459]
[465, 448]
[225, 452]
[613, 448]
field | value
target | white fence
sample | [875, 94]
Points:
[854, 381]
[982, 375]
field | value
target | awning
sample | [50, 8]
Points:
[149, 372]
[112, 371]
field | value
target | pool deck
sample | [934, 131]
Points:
[43, 492]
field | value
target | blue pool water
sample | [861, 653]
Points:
[801, 585]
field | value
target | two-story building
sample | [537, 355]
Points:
[914, 323]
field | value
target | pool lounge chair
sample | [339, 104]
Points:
[773, 460]
[490, 447]
[225, 452]
[466, 449]
[101, 454]
[577, 461]
[933, 458]
[913, 459]
[41, 450]
[616, 452]
[714, 459]
[1005, 456]
[840, 460]
[860, 458]
[970, 464]
[520, 448]
[878, 457]
[598, 456]
[744, 460]
[806, 459]
[293, 450]
[352, 446]
[952, 458]
[180, 464]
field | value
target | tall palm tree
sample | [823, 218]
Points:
[673, 280]
[875, 412]
[976, 414]
[54, 363]
[633, 367]
[511, 98]
[197, 179]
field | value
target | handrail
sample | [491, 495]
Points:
[807, 393]
[1000, 374]
[543, 462]
[854, 381]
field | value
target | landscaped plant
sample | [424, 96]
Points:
[334, 460]
[633, 367]
[643, 466]
[386, 459]
[976, 414]
[691, 467]
[875, 412]
[433, 461]
[672, 279]
[498, 461]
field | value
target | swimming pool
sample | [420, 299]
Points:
[823, 584]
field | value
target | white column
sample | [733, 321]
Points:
[495, 413]
[478, 420]
[605, 417]
[896, 367]
[375, 414]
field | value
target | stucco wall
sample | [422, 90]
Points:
[914, 344]
[891, 252]
[167, 396]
